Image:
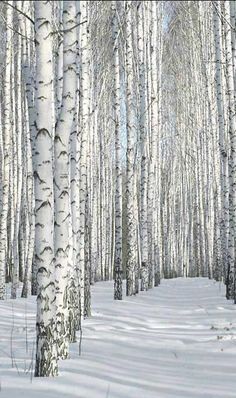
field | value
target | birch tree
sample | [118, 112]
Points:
[232, 160]
[63, 264]
[118, 176]
[46, 341]
[84, 107]
[144, 149]
[130, 157]
[6, 156]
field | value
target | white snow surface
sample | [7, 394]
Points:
[175, 341]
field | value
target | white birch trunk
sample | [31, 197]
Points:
[230, 293]
[46, 348]
[65, 316]
[118, 174]
[144, 160]
[130, 158]
[84, 101]
[222, 140]
[6, 144]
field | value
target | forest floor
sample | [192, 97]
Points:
[174, 341]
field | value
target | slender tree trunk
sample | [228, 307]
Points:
[144, 159]
[118, 175]
[46, 348]
[63, 268]
[130, 159]
[230, 293]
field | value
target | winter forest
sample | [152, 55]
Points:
[117, 199]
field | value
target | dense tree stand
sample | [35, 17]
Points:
[117, 154]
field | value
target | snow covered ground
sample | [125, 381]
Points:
[174, 341]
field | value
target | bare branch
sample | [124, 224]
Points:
[17, 9]
[69, 29]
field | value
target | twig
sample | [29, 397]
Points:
[16, 31]
[17, 9]
[222, 17]
[69, 29]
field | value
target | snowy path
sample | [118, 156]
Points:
[175, 341]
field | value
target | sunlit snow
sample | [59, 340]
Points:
[174, 341]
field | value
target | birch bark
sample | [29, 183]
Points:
[46, 340]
